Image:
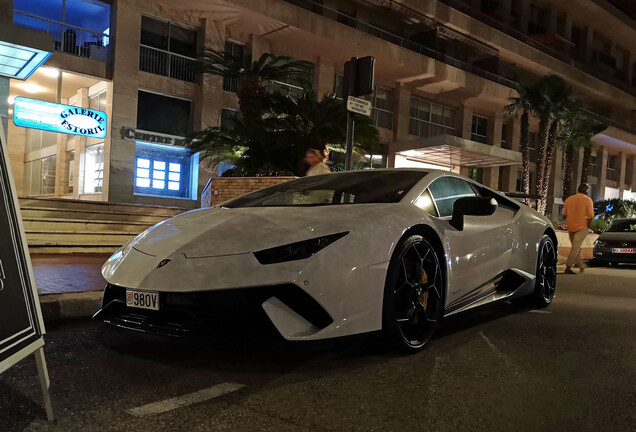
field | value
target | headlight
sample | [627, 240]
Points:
[296, 251]
[599, 243]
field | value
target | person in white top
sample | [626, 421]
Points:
[316, 165]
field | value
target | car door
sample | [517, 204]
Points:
[480, 252]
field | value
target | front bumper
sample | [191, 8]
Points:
[214, 315]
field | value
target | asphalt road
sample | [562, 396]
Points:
[571, 367]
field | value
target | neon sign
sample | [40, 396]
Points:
[49, 116]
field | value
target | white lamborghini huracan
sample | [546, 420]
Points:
[334, 255]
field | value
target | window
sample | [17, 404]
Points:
[167, 49]
[39, 176]
[593, 169]
[504, 136]
[163, 114]
[532, 146]
[168, 171]
[228, 118]
[70, 170]
[425, 202]
[612, 167]
[447, 190]
[362, 187]
[97, 102]
[476, 174]
[479, 130]
[519, 182]
[237, 52]
[383, 108]
[338, 85]
[79, 27]
[292, 83]
[39, 139]
[94, 169]
[429, 119]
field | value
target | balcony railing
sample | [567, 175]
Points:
[68, 39]
[282, 87]
[230, 84]
[165, 63]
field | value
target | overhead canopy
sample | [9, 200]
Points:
[451, 151]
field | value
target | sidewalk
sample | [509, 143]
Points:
[70, 286]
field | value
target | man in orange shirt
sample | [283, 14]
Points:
[579, 212]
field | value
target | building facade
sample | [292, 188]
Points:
[444, 71]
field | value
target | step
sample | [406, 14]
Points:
[100, 206]
[45, 213]
[55, 249]
[44, 225]
[78, 239]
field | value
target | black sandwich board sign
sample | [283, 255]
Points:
[21, 325]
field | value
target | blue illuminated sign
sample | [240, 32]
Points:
[37, 114]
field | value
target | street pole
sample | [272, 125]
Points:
[350, 134]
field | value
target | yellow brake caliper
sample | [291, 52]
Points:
[424, 295]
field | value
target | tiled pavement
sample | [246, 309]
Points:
[57, 274]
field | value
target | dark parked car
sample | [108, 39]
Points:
[617, 244]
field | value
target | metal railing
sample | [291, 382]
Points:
[67, 38]
[165, 63]
[230, 84]
[283, 87]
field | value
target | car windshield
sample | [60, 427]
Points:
[622, 226]
[334, 189]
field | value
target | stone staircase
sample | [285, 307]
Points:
[59, 226]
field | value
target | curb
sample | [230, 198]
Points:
[60, 307]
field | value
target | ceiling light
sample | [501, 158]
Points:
[50, 72]
[10, 100]
[31, 88]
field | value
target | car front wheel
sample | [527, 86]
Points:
[413, 298]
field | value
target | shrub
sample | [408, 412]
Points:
[615, 209]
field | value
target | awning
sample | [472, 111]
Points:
[450, 150]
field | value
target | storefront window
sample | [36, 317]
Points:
[165, 171]
[98, 102]
[39, 176]
[94, 169]
[38, 139]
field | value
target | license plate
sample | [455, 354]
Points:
[623, 250]
[142, 299]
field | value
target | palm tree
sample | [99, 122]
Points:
[279, 135]
[522, 104]
[559, 102]
[576, 132]
[253, 76]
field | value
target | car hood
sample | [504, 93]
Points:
[222, 231]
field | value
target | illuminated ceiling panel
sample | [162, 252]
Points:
[18, 61]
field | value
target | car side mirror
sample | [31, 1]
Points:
[471, 206]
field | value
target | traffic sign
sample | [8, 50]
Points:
[359, 106]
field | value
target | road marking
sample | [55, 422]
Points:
[539, 311]
[499, 353]
[185, 400]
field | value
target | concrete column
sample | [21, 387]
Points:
[515, 136]
[402, 113]
[602, 181]
[467, 121]
[121, 155]
[633, 174]
[494, 130]
[6, 14]
[491, 177]
[210, 92]
[325, 76]
[4, 103]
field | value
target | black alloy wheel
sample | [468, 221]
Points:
[546, 272]
[414, 294]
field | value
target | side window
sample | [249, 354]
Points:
[425, 202]
[447, 190]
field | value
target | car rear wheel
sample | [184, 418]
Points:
[545, 285]
[413, 296]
